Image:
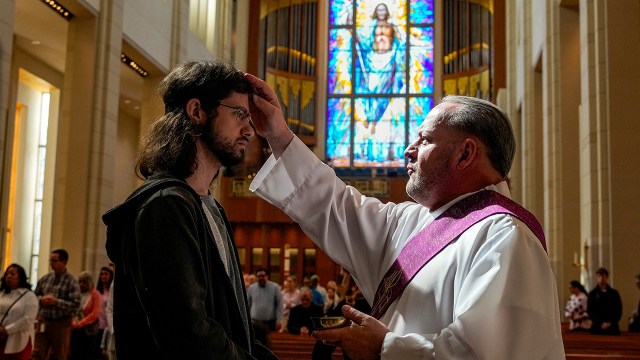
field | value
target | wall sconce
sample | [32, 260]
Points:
[581, 263]
[133, 65]
[59, 9]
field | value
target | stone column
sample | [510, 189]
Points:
[179, 31]
[551, 189]
[87, 138]
[104, 129]
[609, 167]
[6, 117]
[594, 135]
[528, 119]
[563, 196]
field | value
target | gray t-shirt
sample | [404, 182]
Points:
[227, 253]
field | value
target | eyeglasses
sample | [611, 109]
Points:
[241, 114]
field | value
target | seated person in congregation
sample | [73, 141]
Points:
[352, 296]
[300, 316]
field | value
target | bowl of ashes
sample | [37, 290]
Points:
[329, 322]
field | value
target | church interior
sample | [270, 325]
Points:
[78, 81]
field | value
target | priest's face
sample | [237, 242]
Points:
[431, 159]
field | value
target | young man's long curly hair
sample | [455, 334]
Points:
[170, 144]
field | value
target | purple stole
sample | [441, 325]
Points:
[427, 243]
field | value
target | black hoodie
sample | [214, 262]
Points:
[172, 298]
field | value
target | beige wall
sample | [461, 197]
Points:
[126, 149]
[6, 88]
[622, 90]
[572, 94]
[97, 138]
[147, 26]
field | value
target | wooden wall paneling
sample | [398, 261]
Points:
[255, 48]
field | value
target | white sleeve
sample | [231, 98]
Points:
[351, 228]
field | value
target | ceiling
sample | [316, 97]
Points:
[42, 33]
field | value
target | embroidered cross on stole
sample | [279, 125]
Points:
[447, 227]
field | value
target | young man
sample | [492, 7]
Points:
[59, 295]
[179, 292]
[485, 290]
[604, 306]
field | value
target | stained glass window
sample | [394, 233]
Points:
[380, 79]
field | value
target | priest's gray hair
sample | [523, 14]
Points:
[489, 123]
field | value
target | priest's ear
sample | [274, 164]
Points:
[467, 153]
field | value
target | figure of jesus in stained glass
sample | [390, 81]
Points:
[380, 69]
[379, 80]
[380, 60]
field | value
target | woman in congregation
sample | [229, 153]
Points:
[290, 298]
[576, 309]
[18, 311]
[104, 288]
[85, 324]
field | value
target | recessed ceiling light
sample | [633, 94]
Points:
[35, 42]
[136, 107]
[133, 65]
[61, 10]
[127, 101]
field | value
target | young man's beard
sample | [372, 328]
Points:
[220, 148]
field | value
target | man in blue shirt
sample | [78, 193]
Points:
[265, 303]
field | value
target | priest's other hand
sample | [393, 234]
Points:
[362, 340]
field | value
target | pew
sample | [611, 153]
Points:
[295, 347]
[581, 345]
[578, 345]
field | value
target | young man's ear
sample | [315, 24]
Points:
[195, 112]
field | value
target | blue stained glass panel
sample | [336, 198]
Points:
[379, 142]
[341, 12]
[419, 107]
[421, 12]
[339, 75]
[339, 131]
[421, 60]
